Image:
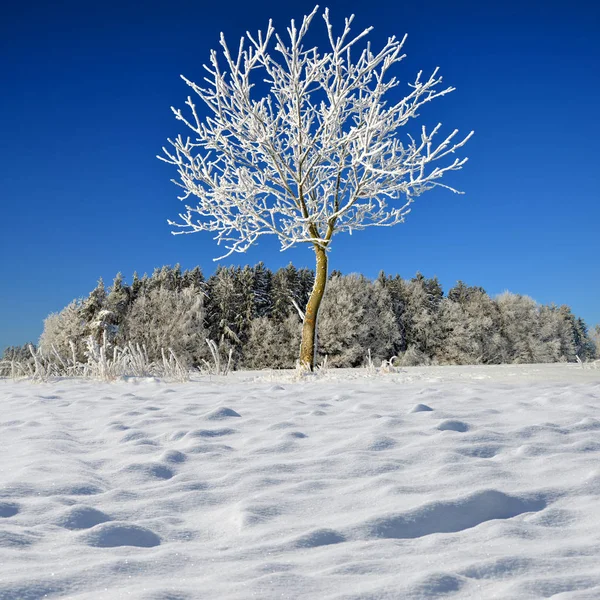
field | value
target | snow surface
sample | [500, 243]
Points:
[453, 482]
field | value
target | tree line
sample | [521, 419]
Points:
[257, 315]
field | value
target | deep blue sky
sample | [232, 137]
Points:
[84, 108]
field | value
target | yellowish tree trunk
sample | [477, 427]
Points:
[308, 348]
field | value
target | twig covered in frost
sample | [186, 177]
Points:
[103, 361]
[217, 368]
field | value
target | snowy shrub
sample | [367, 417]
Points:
[413, 357]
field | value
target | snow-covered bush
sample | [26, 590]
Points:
[413, 357]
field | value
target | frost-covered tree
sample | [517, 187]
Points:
[18, 353]
[398, 293]
[222, 306]
[66, 328]
[194, 279]
[137, 286]
[262, 290]
[117, 303]
[470, 325]
[556, 334]
[163, 318]
[166, 277]
[421, 325]
[286, 290]
[94, 314]
[356, 316]
[273, 344]
[520, 322]
[302, 144]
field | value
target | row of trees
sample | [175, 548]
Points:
[256, 313]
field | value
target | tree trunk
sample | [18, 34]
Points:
[308, 348]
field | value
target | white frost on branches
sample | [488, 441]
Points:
[303, 144]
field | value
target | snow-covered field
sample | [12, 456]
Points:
[458, 482]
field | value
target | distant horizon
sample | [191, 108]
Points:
[87, 91]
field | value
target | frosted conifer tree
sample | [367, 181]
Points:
[302, 144]
[193, 279]
[286, 290]
[262, 288]
[117, 303]
[94, 313]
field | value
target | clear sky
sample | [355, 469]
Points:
[84, 109]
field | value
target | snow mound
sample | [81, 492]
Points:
[222, 413]
[82, 517]
[421, 408]
[111, 535]
[451, 425]
[450, 517]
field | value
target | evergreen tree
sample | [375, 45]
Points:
[221, 316]
[117, 302]
[306, 281]
[92, 313]
[18, 353]
[137, 286]
[584, 346]
[193, 279]
[263, 291]
[398, 292]
[520, 319]
[556, 334]
[595, 338]
[286, 287]
[245, 300]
